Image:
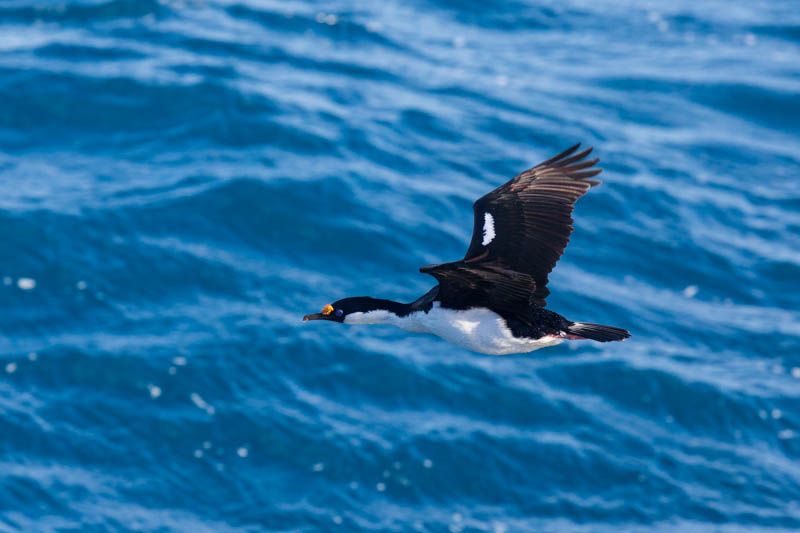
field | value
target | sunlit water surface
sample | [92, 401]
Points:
[181, 181]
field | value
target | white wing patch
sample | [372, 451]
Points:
[488, 229]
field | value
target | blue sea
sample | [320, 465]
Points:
[182, 180]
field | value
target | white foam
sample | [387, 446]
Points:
[499, 527]
[198, 400]
[26, 284]
[201, 403]
[327, 18]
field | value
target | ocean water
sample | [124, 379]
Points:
[181, 181]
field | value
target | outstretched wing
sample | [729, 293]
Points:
[525, 224]
[520, 231]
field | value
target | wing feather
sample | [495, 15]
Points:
[532, 215]
[462, 284]
[532, 222]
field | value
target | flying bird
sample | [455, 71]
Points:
[493, 300]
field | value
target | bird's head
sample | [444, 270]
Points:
[357, 310]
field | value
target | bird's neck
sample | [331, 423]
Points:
[380, 312]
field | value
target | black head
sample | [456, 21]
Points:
[339, 310]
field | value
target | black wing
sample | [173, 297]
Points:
[524, 225]
[462, 284]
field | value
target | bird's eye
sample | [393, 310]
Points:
[339, 313]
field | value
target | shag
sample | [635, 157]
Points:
[493, 300]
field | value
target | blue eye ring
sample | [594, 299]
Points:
[339, 313]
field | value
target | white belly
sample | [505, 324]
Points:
[479, 330]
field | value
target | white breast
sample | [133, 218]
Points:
[479, 329]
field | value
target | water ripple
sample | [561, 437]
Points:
[182, 180]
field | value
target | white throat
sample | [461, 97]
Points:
[378, 316]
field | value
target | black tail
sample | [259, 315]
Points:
[597, 332]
